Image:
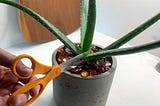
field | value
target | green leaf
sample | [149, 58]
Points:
[133, 33]
[88, 19]
[123, 51]
[46, 24]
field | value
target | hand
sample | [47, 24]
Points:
[9, 82]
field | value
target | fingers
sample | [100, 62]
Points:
[34, 91]
[2, 71]
[6, 58]
[7, 79]
[3, 100]
[20, 99]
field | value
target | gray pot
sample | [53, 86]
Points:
[73, 90]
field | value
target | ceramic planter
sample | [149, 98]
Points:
[73, 90]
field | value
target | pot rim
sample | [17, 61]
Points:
[107, 73]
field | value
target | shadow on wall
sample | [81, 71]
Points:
[117, 18]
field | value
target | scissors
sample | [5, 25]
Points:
[50, 73]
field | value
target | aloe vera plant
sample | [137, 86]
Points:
[88, 18]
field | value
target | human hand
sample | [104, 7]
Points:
[9, 82]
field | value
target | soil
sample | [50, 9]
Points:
[86, 68]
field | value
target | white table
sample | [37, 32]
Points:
[136, 81]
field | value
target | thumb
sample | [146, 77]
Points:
[6, 59]
[23, 70]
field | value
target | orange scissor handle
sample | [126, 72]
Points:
[37, 67]
[53, 73]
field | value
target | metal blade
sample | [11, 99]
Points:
[73, 61]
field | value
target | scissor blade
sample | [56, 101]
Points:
[73, 61]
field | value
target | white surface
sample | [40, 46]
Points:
[136, 82]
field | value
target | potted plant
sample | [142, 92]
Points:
[89, 84]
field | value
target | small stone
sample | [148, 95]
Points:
[101, 70]
[60, 50]
[107, 68]
[65, 59]
[92, 72]
[59, 60]
[108, 64]
[84, 73]
[100, 63]
[75, 70]
[97, 62]
[67, 50]
[78, 45]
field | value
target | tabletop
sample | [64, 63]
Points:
[136, 81]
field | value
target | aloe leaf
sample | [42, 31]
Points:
[46, 24]
[133, 33]
[123, 51]
[88, 19]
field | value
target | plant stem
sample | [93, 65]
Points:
[46, 24]
[123, 51]
[133, 33]
[88, 19]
